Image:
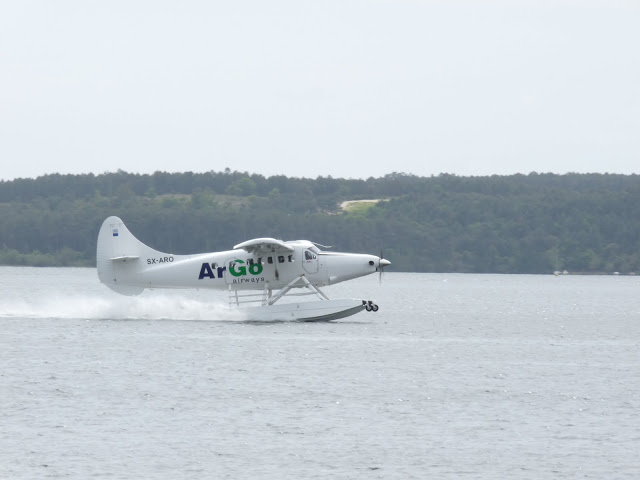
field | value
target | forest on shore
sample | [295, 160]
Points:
[535, 223]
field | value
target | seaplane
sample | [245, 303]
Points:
[261, 275]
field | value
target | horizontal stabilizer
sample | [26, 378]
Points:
[124, 258]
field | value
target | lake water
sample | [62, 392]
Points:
[457, 376]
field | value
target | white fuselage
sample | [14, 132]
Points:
[242, 270]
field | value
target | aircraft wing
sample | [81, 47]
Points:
[264, 245]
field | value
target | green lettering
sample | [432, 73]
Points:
[241, 270]
[255, 269]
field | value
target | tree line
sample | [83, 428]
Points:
[534, 223]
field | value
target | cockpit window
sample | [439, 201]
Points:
[309, 255]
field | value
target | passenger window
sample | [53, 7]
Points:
[291, 258]
[270, 260]
[281, 259]
[260, 260]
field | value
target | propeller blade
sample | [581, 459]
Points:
[381, 264]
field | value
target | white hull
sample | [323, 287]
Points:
[325, 310]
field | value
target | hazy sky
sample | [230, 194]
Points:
[344, 88]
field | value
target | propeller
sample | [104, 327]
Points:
[381, 264]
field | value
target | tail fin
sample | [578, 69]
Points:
[118, 257]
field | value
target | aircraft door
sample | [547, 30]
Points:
[310, 261]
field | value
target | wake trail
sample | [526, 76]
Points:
[95, 307]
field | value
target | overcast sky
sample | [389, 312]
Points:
[344, 88]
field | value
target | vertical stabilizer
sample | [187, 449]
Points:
[118, 257]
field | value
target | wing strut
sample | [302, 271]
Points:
[236, 298]
[284, 290]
